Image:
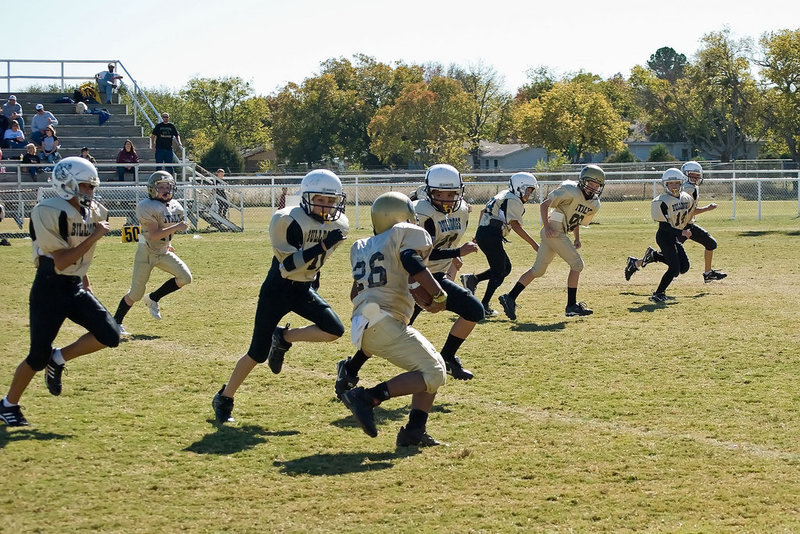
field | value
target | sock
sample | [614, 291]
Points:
[516, 290]
[708, 271]
[451, 346]
[122, 311]
[356, 362]
[572, 295]
[380, 392]
[485, 275]
[417, 419]
[57, 357]
[7, 404]
[166, 288]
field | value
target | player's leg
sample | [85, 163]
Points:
[669, 251]
[544, 257]
[470, 311]
[181, 276]
[143, 264]
[701, 236]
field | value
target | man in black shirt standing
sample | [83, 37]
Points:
[161, 139]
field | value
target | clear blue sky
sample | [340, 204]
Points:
[270, 43]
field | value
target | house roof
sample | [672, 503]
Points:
[498, 150]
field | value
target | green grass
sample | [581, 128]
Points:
[641, 417]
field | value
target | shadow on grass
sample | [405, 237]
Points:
[384, 416]
[759, 233]
[139, 337]
[26, 434]
[230, 439]
[344, 463]
[533, 327]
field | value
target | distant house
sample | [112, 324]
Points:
[255, 156]
[508, 157]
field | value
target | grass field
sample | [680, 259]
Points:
[677, 417]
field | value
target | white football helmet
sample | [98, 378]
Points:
[592, 173]
[161, 177]
[71, 171]
[322, 182]
[672, 180]
[524, 185]
[693, 172]
[443, 177]
[389, 209]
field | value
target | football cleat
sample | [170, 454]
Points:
[52, 376]
[360, 403]
[152, 307]
[344, 380]
[278, 349]
[456, 370]
[658, 297]
[469, 281]
[12, 415]
[488, 312]
[649, 256]
[223, 406]
[712, 275]
[578, 309]
[509, 306]
[417, 437]
[630, 268]
[122, 331]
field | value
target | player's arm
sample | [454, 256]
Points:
[157, 233]
[520, 231]
[544, 207]
[577, 235]
[67, 256]
[353, 291]
[707, 207]
[413, 264]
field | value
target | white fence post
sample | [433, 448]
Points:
[758, 182]
[733, 194]
[798, 193]
[356, 201]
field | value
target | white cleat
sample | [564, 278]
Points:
[152, 306]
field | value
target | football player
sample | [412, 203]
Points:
[160, 217]
[567, 207]
[672, 211]
[694, 177]
[302, 237]
[443, 213]
[382, 308]
[502, 214]
[64, 230]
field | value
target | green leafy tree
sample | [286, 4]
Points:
[623, 156]
[223, 154]
[660, 153]
[540, 80]
[667, 64]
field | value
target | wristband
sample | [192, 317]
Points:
[441, 297]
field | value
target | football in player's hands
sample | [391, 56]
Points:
[420, 294]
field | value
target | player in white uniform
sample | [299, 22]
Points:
[444, 214]
[382, 308]
[302, 237]
[64, 231]
[160, 217]
[567, 208]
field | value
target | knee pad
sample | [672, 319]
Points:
[471, 309]
[183, 279]
[331, 324]
[38, 359]
[109, 336]
[711, 244]
[576, 265]
[435, 376]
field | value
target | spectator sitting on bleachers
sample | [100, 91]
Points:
[13, 137]
[85, 155]
[31, 157]
[39, 123]
[127, 155]
[49, 145]
[107, 82]
[13, 112]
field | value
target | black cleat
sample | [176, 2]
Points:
[12, 415]
[578, 309]
[649, 256]
[630, 268]
[509, 306]
[52, 376]
[456, 370]
[658, 298]
[344, 380]
[469, 281]
[278, 349]
[712, 275]
[223, 406]
[417, 437]
[488, 312]
[360, 403]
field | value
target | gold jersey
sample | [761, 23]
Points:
[446, 229]
[504, 207]
[292, 230]
[57, 225]
[379, 273]
[570, 207]
[150, 211]
[673, 210]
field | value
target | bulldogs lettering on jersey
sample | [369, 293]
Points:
[568, 199]
[57, 225]
[673, 210]
[447, 229]
[379, 273]
[291, 231]
[504, 207]
[150, 211]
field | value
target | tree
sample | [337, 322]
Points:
[540, 80]
[660, 153]
[572, 120]
[428, 124]
[223, 154]
[667, 64]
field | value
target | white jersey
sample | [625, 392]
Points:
[673, 210]
[445, 229]
[57, 225]
[504, 208]
[292, 230]
[694, 191]
[379, 273]
[570, 208]
[163, 214]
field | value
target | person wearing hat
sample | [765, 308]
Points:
[39, 123]
[85, 155]
[107, 81]
[13, 111]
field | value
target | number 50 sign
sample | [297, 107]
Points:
[130, 234]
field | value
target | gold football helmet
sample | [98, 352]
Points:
[596, 175]
[161, 177]
[389, 209]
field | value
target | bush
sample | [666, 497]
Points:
[660, 153]
[623, 156]
[224, 155]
